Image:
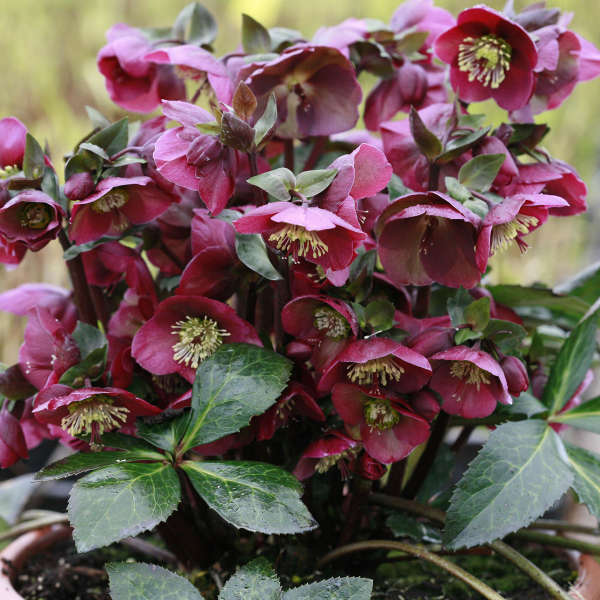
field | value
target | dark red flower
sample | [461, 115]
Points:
[12, 440]
[489, 57]
[12, 144]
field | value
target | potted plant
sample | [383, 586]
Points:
[276, 318]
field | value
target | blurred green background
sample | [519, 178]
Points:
[48, 70]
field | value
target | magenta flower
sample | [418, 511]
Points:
[469, 381]
[341, 36]
[184, 331]
[117, 204]
[335, 449]
[316, 89]
[31, 217]
[515, 372]
[194, 160]
[421, 15]
[12, 144]
[132, 81]
[11, 253]
[422, 238]
[27, 298]
[489, 57]
[388, 429]
[307, 232]
[12, 440]
[377, 365]
[92, 411]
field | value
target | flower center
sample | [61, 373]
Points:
[470, 373]
[94, 415]
[8, 171]
[35, 215]
[325, 463]
[505, 233]
[299, 241]
[380, 415]
[376, 371]
[199, 338]
[184, 72]
[486, 59]
[116, 198]
[331, 323]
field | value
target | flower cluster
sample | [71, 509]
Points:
[250, 211]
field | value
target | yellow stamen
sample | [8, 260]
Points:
[380, 415]
[116, 198]
[8, 171]
[486, 59]
[378, 371]
[199, 338]
[35, 215]
[299, 240]
[327, 462]
[97, 411]
[470, 373]
[331, 323]
[505, 233]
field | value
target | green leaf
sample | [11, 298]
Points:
[94, 150]
[477, 314]
[251, 495]
[265, 126]
[88, 338]
[505, 334]
[33, 159]
[466, 335]
[128, 159]
[526, 404]
[74, 251]
[252, 251]
[199, 22]
[141, 581]
[586, 468]
[459, 145]
[255, 37]
[282, 37]
[277, 183]
[115, 439]
[311, 183]
[439, 476]
[90, 461]
[361, 274]
[123, 500]
[585, 416]
[456, 306]
[379, 314]
[98, 120]
[457, 190]
[236, 383]
[396, 188]
[571, 365]
[404, 526]
[112, 139]
[93, 349]
[480, 172]
[427, 142]
[14, 494]
[338, 588]
[254, 581]
[518, 475]
[164, 434]
[584, 285]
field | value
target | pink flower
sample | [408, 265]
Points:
[308, 232]
[470, 382]
[11, 253]
[378, 365]
[422, 16]
[31, 217]
[489, 57]
[12, 440]
[388, 429]
[341, 36]
[12, 142]
[132, 81]
[422, 238]
[184, 331]
[117, 204]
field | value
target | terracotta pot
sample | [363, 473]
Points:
[587, 586]
[14, 556]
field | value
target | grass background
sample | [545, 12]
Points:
[48, 75]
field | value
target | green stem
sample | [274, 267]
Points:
[33, 524]
[563, 526]
[450, 567]
[561, 542]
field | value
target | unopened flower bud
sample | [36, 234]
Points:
[236, 133]
[516, 374]
[432, 340]
[203, 149]
[13, 384]
[79, 186]
[369, 468]
[425, 404]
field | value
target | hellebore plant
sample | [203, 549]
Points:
[271, 309]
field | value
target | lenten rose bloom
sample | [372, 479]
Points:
[489, 57]
[184, 331]
[117, 204]
[307, 232]
[388, 428]
[12, 145]
[470, 382]
[12, 440]
[422, 238]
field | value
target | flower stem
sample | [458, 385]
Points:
[546, 539]
[421, 309]
[450, 567]
[288, 154]
[563, 526]
[315, 153]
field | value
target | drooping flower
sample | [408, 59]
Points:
[12, 145]
[422, 238]
[421, 15]
[307, 232]
[12, 440]
[470, 382]
[117, 204]
[388, 428]
[490, 56]
[184, 331]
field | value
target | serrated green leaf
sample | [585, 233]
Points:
[525, 404]
[114, 439]
[33, 159]
[479, 173]
[338, 588]
[311, 183]
[586, 483]
[90, 461]
[404, 526]
[93, 349]
[584, 285]
[457, 190]
[477, 314]
[459, 145]
[112, 139]
[165, 434]
[277, 183]
[519, 473]
[255, 37]
[255, 581]
[14, 494]
[142, 581]
[265, 125]
[252, 251]
[571, 365]
[251, 495]
[116, 502]
[236, 383]
[585, 416]
[88, 338]
[427, 142]
[456, 306]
